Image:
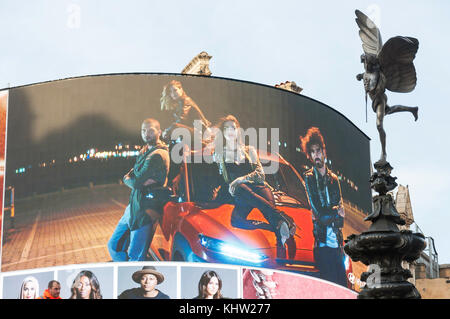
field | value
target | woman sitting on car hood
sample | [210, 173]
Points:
[243, 173]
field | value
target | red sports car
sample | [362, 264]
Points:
[196, 225]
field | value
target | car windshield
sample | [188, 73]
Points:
[286, 184]
[207, 185]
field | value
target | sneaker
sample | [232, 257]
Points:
[283, 231]
[290, 223]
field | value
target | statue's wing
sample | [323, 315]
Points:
[369, 34]
[396, 62]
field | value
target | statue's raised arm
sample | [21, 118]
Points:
[389, 66]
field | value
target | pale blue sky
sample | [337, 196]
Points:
[315, 44]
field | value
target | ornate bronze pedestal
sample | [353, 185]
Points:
[383, 247]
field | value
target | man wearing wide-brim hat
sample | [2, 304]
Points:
[148, 278]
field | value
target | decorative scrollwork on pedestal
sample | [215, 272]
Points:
[384, 245]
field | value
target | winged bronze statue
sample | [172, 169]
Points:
[389, 66]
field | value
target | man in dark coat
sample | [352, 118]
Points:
[324, 194]
[134, 232]
[148, 278]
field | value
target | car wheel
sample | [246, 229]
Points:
[177, 256]
[181, 250]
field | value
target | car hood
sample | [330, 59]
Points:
[216, 223]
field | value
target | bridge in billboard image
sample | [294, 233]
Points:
[71, 142]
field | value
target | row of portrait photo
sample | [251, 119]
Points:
[159, 280]
[127, 281]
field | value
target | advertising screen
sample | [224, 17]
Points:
[3, 115]
[172, 168]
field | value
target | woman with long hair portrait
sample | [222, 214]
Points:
[29, 288]
[184, 110]
[243, 173]
[86, 286]
[209, 286]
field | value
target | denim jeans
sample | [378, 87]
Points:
[248, 197]
[330, 262]
[129, 245]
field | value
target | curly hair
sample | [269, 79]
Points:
[203, 284]
[95, 285]
[312, 137]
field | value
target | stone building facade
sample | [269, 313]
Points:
[431, 279]
[199, 65]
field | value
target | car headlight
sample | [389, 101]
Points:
[231, 251]
[346, 262]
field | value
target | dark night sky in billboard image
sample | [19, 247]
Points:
[59, 120]
[315, 44]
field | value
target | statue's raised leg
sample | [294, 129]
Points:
[401, 108]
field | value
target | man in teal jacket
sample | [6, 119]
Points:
[134, 232]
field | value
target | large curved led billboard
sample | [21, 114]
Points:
[169, 167]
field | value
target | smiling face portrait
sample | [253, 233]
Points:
[210, 286]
